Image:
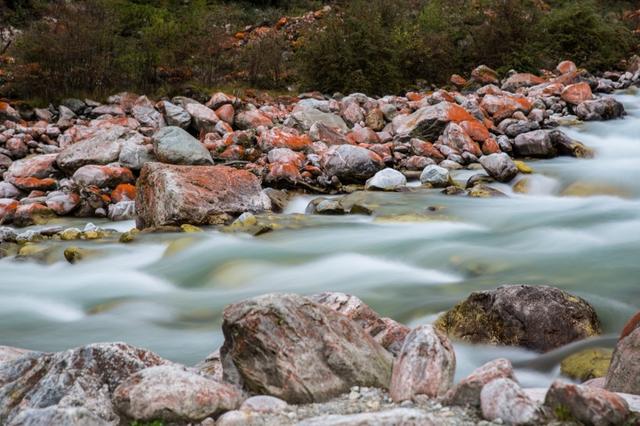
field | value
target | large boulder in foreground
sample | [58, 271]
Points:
[290, 347]
[624, 371]
[68, 388]
[351, 163]
[540, 318]
[199, 195]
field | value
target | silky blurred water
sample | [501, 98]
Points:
[420, 255]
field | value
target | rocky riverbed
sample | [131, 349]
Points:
[416, 243]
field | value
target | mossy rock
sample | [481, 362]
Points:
[539, 318]
[70, 234]
[588, 189]
[484, 191]
[190, 229]
[129, 236]
[522, 186]
[588, 364]
[523, 167]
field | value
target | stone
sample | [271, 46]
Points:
[425, 366]
[467, 392]
[429, 122]
[575, 94]
[173, 195]
[304, 118]
[68, 386]
[114, 110]
[484, 75]
[566, 67]
[283, 138]
[323, 133]
[8, 353]
[252, 119]
[264, 404]
[564, 145]
[173, 145]
[203, 119]
[387, 180]
[7, 112]
[148, 116]
[503, 399]
[455, 137]
[539, 318]
[351, 164]
[101, 147]
[123, 210]
[175, 115]
[606, 108]
[318, 353]
[173, 393]
[66, 117]
[519, 80]
[586, 365]
[534, 144]
[103, 176]
[504, 106]
[586, 404]
[395, 416]
[134, 154]
[435, 176]
[62, 203]
[34, 173]
[624, 372]
[499, 166]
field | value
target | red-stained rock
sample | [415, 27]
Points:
[202, 118]
[363, 135]
[219, 99]
[284, 156]
[455, 137]
[426, 149]
[323, 133]
[490, 146]
[467, 392]
[429, 122]
[17, 148]
[476, 130]
[123, 192]
[283, 173]
[516, 81]
[425, 366]
[283, 138]
[565, 67]
[382, 150]
[172, 195]
[484, 75]
[252, 119]
[101, 146]
[415, 97]
[103, 176]
[8, 207]
[577, 93]
[589, 405]
[62, 203]
[226, 113]
[351, 163]
[458, 80]
[32, 214]
[7, 112]
[232, 153]
[353, 114]
[501, 107]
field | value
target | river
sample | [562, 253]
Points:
[422, 253]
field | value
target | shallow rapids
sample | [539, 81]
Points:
[419, 255]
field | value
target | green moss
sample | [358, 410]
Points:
[149, 423]
[563, 414]
[588, 364]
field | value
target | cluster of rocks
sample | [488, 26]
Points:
[329, 359]
[89, 159]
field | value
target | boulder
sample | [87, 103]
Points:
[387, 180]
[68, 387]
[351, 163]
[484, 75]
[519, 80]
[173, 145]
[175, 115]
[252, 119]
[7, 112]
[304, 118]
[8, 353]
[8, 190]
[173, 393]
[134, 154]
[103, 176]
[624, 372]
[435, 176]
[283, 138]
[173, 195]
[455, 137]
[504, 106]
[429, 122]
[586, 404]
[575, 94]
[499, 166]
[564, 145]
[534, 144]
[426, 365]
[606, 108]
[264, 404]
[503, 399]
[148, 116]
[101, 147]
[330, 136]
[292, 348]
[203, 119]
[540, 318]
[566, 67]
[588, 364]
[467, 392]
[33, 173]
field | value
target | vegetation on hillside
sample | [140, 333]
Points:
[95, 47]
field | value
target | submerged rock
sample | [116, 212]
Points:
[535, 317]
[297, 350]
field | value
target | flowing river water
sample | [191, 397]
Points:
[422, 253]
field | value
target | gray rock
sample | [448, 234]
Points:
[435, 176]
[124, 210]
[351, 163]
[67, 416]
[203, 119]
[503, 399]
[264, 404]
[467, 392]
[148, 116]
[567, 146]
[103, 147]
[624, 371]
[7, 234]
[499, 166]
[429, 122]
[176, 115]
[318, 353]
[387, 180]
[304, 118]
[513, 128]
[7, 190]
[173, 145]
[75, 105]
[7, 112]
[134, 154]
[426, 365]
[66, 117]
[393, 417]
[606, 108]
[534, 144]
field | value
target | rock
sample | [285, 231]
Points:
[8, 353]
[75, 105]
[435, 176]
[264, 404]
[504, 106]
[103, 176]
[351, 163]
[566, 146]
[389, 333]
[318, 353]
[624, 372]
[455, 137]
[283, 138]
[540, 318]
[534, 144]
[467, 392]
[203, 119]
[425, 366]
[7, 112]
[503, 399]
[589, 405]
[66, 117]
[606, 108]
[102, 147]
[566, 67]
[34, 173]
[71, 386]
[430, 121]
[587, 364]
[392, 417]
[148, 116]
[305, 118]
[519, 80]
[173, 145]
[330, 136]
[172, 195]
[175, 115]
[113, 110]
[62, 203]
[387, 180]
[484, 75]
[499, 166]
[173, 393]
[575, 94]
[252, 119]
[123, 210]
[134, 154]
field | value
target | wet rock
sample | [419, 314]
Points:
[536, 317]
[387, 180]
[587, 364]
[305, 118]
[425, 366]
[173, 145]
[317, 355]
[534, 144]
[435, 176]
[624, 372]
[567, 146]
[172, 195]
[71, 386]
[467, 392]
[103, 176]
[173, 393]
[606, 108]
[576, 94]
[499, 166]
[102, 147]
[589, 405]
[351, 163]
[503, 399]
[429, 122]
